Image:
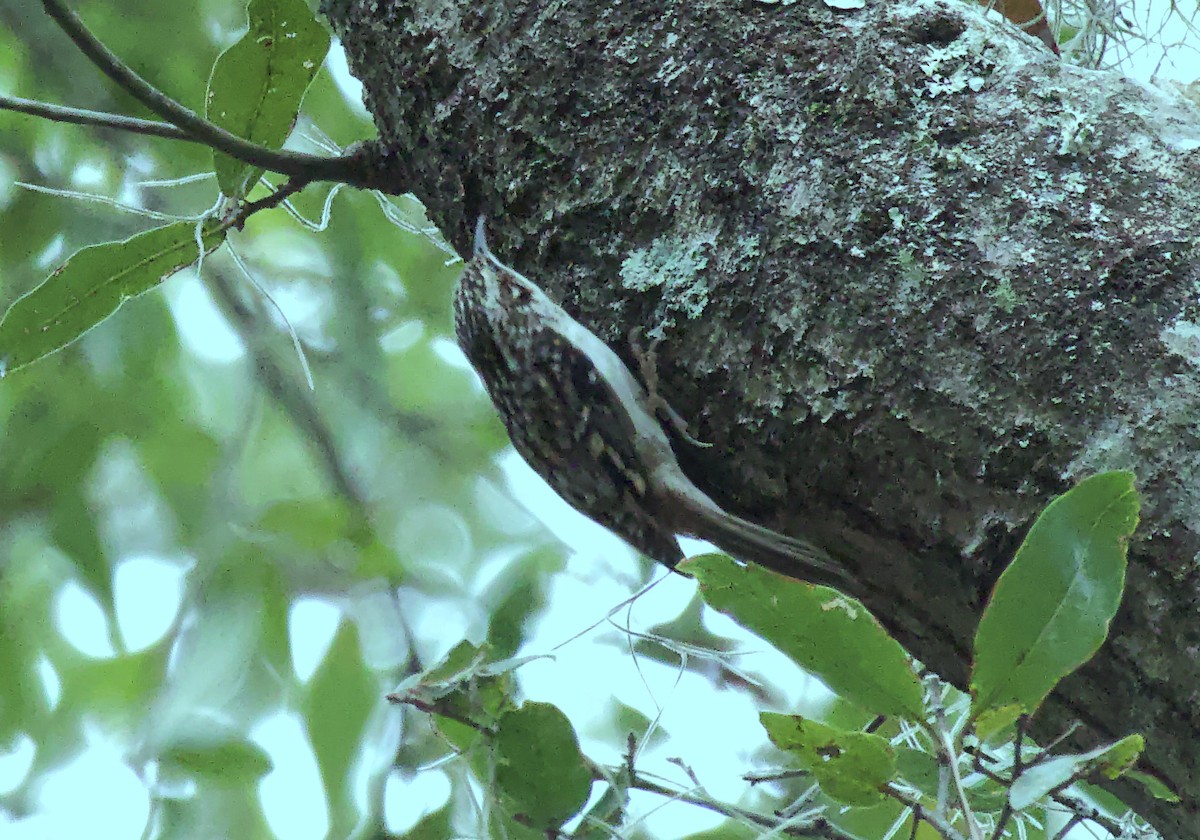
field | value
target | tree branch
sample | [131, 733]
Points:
[916, 277]
[350, 168]
[81, 116]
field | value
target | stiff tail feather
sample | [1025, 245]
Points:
[796, 558]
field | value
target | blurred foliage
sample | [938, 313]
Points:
[179, 438]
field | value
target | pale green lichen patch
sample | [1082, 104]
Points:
[1182, 337]
[677, 267]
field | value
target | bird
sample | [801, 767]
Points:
[583, 421]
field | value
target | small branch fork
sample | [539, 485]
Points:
[356, 167]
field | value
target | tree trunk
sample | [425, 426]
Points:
[915, 277]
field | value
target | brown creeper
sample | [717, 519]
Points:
[586, 425]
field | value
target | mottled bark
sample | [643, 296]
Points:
[915, 278]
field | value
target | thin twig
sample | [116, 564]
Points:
[445, 710]
[1066, 829]
[280, 195]
[1018, 767]
[1044, 754]
[348, 168]
[820, 827]
[759, 778]
[936, 821]
[1006, 813]
[81, 116]
[1060, 798]
[948, 747]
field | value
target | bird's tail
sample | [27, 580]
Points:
[795, 557]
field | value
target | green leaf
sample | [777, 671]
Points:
[630, 721]
[919, 770]
[26, 588]
[688, 627]
[461, 688]
[340, 699]
[728, 830]
[852, 767]
[540, 769]
[118, 690]
[73, 525]
[1157, 788]
[824, 632]
[461, 737]
[608, 812]
[91, 285]
[516, 596]
[462, 662]
[991, 722]
[1051, 609]
[1115, 761]
[257, 85]
[461, 713]
[502, 824]
[1038, 781]
[434, 826]
[313, 524]
[224, 762]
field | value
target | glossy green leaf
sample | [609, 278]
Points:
[823, 631]
[257, 85]
[91, 285]
[852, 767]
[540, 770]
[1051, 608]
[1036, 782]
